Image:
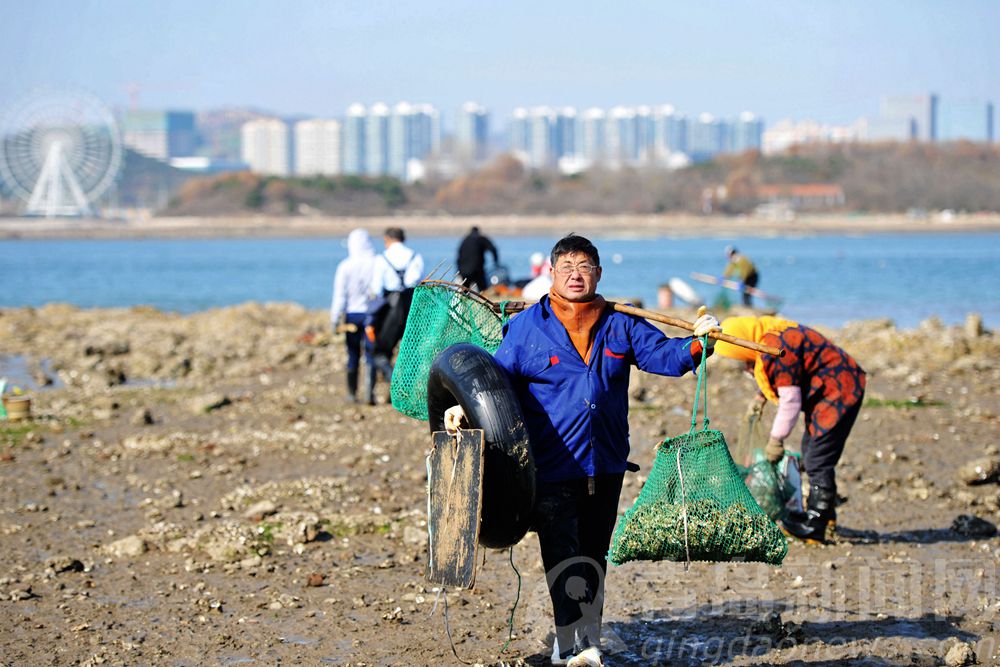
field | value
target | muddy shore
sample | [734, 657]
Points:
[593, 225]
[196, 490]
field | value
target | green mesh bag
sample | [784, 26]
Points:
[441, 314]
[695, 505]
[770, 483]
[772, 486]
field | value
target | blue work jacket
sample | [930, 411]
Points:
[577, 413]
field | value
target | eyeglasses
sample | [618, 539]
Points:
[568, 269]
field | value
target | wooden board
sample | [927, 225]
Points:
[454, 505]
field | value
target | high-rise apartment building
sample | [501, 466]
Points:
[353, 140]
[377, 140]
[265, 146]
[414, 131]
[161, 135]
[670, 130]
[621, 143]
[746, 133]
[897, 113]
[520, 134]
[645, 135]
[472, 133]
[592, 135]
[971, 120]
[317, 147]
[564, 133]
[541, 122]
[706, 137]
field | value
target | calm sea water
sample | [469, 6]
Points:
[822, 279]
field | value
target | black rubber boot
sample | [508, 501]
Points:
[352, 385]
[820, 514]
[372, 377]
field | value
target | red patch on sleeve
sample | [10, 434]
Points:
[553, 360]
[609, 353]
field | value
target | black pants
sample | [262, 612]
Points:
[751, 281]
[476, 280]
[820, 454]
[381, 363]
[574, 521]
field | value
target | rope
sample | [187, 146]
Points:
[447, 629]
[503, 311]
[510, 621]
[702, 387]
[684, 510]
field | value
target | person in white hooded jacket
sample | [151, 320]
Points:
[351, 297]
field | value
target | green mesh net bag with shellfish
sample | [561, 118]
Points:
[695, 506]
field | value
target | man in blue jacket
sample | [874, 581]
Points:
[568, 358]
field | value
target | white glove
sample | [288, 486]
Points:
[706, 322]
[453, 418]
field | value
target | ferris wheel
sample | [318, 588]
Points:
[59, 152]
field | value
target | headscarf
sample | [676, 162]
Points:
[580, 319]
[752, 329]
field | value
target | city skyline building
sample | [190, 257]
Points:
[621, 144]
[543, 138]
[591, 144]
[353, 140]
[161, 135]
[541, 150]
[266, 147]
[564, 132]
[317, 147]
[397, 141]
[670, 130]
[747, 133]
[787, 133]
[706, 137]
[377, 140]
[472, 133]
[971, 120]
[414, 135]
[917, 113]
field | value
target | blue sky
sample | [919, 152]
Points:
[817, 59]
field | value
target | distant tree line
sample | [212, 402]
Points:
[875, 178]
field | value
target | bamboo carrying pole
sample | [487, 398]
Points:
[684, 324]
[518, 306]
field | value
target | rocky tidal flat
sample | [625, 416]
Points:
[196, 489]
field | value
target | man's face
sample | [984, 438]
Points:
[574, 277]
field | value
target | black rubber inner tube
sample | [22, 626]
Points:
[467, 375]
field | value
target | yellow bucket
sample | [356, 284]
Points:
[17, 407]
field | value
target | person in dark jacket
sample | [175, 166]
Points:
[472, 259]
[569, 358]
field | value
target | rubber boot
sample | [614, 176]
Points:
[821, 513]
[352, 385]
[372, 377]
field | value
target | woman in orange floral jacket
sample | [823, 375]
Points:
[814, 377]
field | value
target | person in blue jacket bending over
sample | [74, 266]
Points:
[568, 358]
